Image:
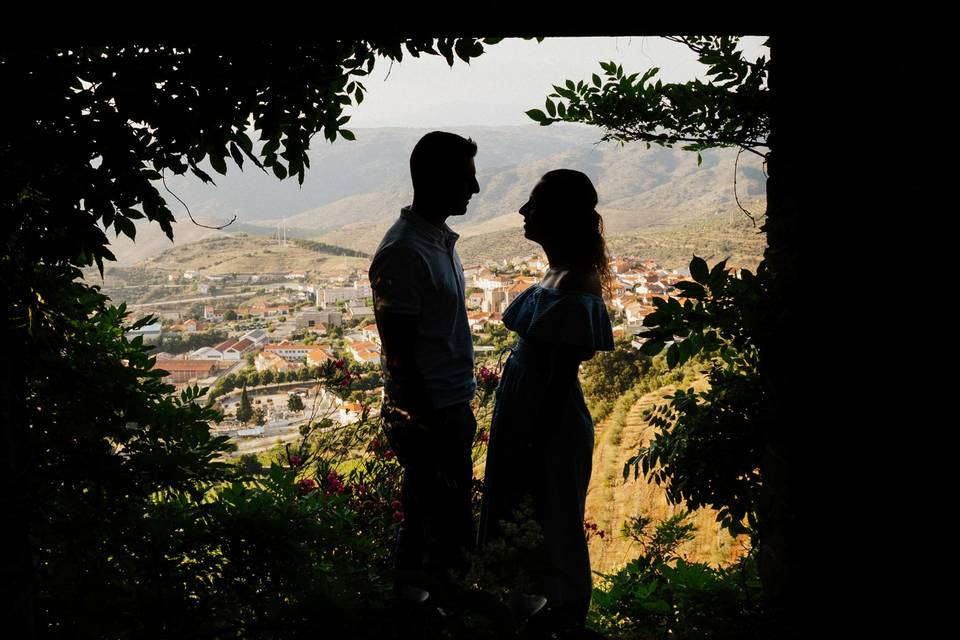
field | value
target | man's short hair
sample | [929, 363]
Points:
[434, 158]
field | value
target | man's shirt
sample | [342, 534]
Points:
[416, 271]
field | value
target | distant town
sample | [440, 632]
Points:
[297, 321]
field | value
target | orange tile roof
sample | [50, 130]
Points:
[185, 365]
[319, 355]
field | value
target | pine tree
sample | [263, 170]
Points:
[295, 403]
[245, 410]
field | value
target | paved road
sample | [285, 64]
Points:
[188, 300]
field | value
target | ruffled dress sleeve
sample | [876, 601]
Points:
[561, 317]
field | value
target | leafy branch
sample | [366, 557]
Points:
[732, 110]
[707, 444]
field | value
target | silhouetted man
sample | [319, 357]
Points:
[427, 360]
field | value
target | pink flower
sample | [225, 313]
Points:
[295, 461]
[339, 363]
[398, 516]
[375, 443]
[307, 485]
[345, 382]
[484, 437]
[389, 454]
[395, 505]
[487, 376]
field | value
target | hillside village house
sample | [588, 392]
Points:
[477, 320]
[233, 349]
[364, 351]
[263, 311]
[370, 332]
[149, 332]
[312, 319]
[186, 370]
[269, 360]
[515, 290]
[290, 350]
[187, 326]
[212, 313]
[494, 300]
[318, 356]
[360, 312]
[257, 336]
[636, 312]
[204, 353]
[331, 295]
[475, 300]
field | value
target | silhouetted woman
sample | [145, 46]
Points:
[541, 435]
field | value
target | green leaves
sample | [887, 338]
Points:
[218, 164]
[673, 356]
[699, 270]
[538, 116]
[236, 154]
[125, 226]
[652, 347]
[732, 111]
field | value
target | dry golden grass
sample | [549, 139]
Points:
[252, 254]
[610, 500]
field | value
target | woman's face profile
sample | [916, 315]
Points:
[535, 217]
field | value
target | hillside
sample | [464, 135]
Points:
[251, 254]
[610, 500]
[355, 189]
[714, 238]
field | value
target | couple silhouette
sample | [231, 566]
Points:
[541, 433]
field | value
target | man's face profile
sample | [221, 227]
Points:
[463, 185]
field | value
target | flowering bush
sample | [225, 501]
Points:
[591, 529]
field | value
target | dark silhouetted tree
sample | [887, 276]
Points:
[244, 409]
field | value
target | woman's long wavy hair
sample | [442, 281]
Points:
[578, 229]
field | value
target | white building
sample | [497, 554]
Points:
[290, 350]
[149, 332]
[332, 295]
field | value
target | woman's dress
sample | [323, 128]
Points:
[541, 435]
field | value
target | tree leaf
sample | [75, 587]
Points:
[673, 355]
[551, 109]
[699, 270]
[237, 154]
[537, 115]
[651, 347]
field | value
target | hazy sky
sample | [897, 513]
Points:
[510, 78]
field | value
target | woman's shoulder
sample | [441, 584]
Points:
[563, 315]
[573, 281]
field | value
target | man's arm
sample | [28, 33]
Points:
[398, 333]
[399, 280]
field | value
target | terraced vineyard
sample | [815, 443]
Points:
[610, 500]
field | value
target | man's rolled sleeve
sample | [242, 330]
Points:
[398, 280]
